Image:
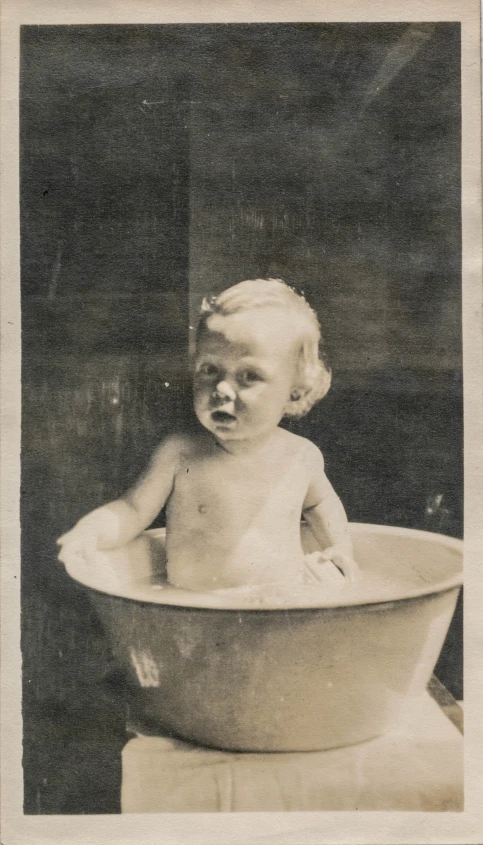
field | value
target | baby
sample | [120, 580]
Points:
[236, 489]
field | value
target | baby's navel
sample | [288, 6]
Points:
[202, 508]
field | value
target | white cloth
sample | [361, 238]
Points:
[417, 766]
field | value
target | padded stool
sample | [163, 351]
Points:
[417, 766]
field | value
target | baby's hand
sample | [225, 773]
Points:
[83, 540]
[321, 570]
[344, 562]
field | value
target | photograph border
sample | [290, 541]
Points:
[386, 828]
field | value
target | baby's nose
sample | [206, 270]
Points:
[225, 391]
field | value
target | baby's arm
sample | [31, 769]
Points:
[325, 515]
[120, 521]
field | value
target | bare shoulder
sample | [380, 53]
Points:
[174, 449]
[301, 446]
[179, 448]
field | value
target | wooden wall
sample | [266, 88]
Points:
[329, 156]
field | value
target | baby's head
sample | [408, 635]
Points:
[267, 316]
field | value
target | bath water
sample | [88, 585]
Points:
[371, 586]
[390, 570]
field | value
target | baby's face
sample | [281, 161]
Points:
[244, 373]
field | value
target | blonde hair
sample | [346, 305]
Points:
[314, 376]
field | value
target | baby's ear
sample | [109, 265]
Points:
[296, 400]
[297, 393]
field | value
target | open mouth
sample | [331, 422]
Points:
[222, 417]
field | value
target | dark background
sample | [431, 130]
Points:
[160, 163]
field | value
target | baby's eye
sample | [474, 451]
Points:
[207, 370]
[249, 377]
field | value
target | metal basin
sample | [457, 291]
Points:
[315, 674]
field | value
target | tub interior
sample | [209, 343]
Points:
[395, 563]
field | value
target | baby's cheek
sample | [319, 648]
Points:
[252, 396]
[201, 396]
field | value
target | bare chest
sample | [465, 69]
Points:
[229, 489]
